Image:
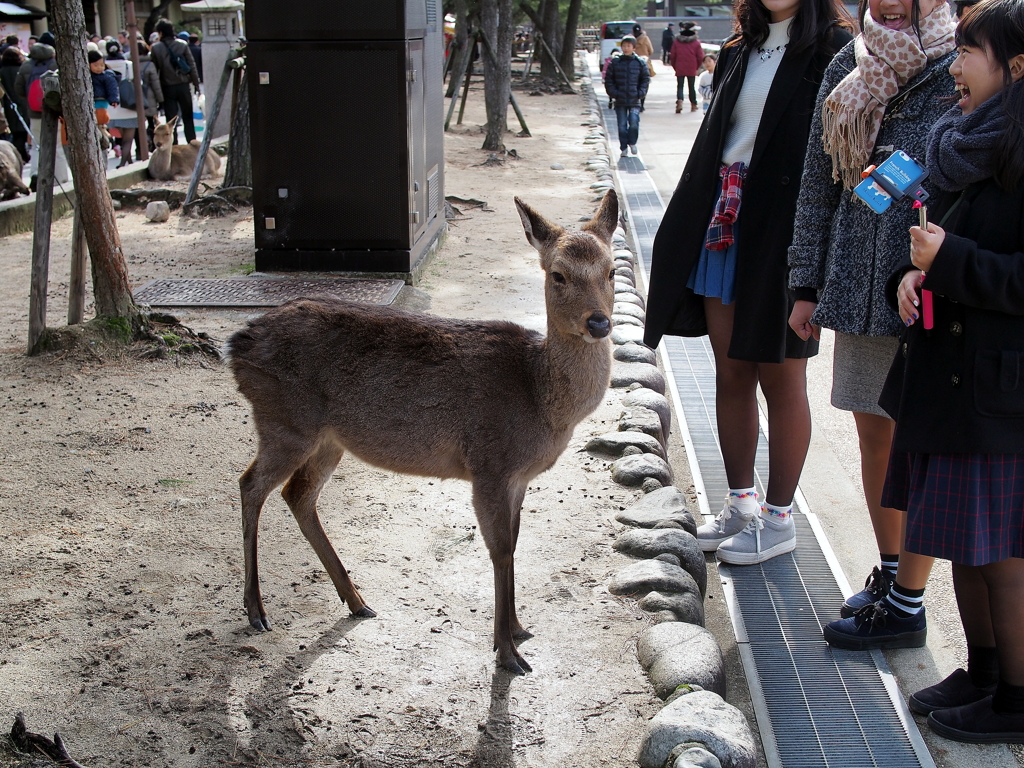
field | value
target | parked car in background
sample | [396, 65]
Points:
[611, 33]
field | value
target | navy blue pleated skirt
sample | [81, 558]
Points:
[967, 508]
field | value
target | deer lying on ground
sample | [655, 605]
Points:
[170, 161]
[490, 402]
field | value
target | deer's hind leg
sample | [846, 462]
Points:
[275, 461]
[497, 508]
[301, 493]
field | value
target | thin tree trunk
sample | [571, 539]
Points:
[111, 288]
[154, 16]
[460, 47]
[496, 24]
[549, 15]
[568, 57]
[239, 170]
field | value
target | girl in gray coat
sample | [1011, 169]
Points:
[881, 93]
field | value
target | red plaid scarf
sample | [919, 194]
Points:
[720, 235]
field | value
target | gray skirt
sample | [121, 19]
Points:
[859, 368]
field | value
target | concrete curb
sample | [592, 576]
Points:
[685, 664]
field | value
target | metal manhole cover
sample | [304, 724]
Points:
[263, 292]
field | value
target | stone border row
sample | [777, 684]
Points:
[668, 577]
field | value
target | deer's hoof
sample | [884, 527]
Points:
[522, 634]
[517, 665]
[260, 623]
[366, 612]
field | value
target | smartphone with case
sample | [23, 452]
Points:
[897, 177]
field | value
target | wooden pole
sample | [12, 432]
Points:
[455, 96]
[469, 77]
[79, 267]
[554, 61]
[140, 109]
[529, 63]
[211, 119]
[41, 229]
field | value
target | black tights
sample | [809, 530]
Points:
[789, 417]
[991, 602]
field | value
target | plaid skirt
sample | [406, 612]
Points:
[967, 508]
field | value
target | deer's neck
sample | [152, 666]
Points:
[161, 158]
[577, 374]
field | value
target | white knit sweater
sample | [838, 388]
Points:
[746, 115]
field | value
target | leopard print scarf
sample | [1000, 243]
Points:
[887, 59]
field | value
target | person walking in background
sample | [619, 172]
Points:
[705, 83]
[40, 61]
[643, 47]
[878, 96]
[686, 57]
[197, 54]
[166, 54]
[626, 81]
[957, 463]
[151, 90]
[15, 108]
[726, 276]
[668, 36]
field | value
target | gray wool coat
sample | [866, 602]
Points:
[842, 249]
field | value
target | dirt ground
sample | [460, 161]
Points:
[121, 619]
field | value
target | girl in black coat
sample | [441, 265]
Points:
[956, 390]
[728, 281]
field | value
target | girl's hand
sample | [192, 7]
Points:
[908, 295]
[924, 245]
[800, 320]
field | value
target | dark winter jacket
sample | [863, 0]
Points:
[626, 80]
[197, 57]
[686, 55]
[40, 60]
[959, 387]
[666, 39]
[761, 331]
[162, 59]
[151, 86]
[105, 86]
[841, 248]
[8, 76]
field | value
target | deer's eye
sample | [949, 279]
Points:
[611, 275]
[558, 277]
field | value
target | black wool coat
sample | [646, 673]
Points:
[959, 387]
[761, 330]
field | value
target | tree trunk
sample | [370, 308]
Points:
[154, 16]
[109, 271]
[568, 56]
[496, 24]
[460, 48]
[239, 170]
[552, 36]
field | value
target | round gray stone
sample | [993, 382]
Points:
[664, 504]
[691, 755]
[557, 167]
[667, 557]
[648, 398]
[622, 253]
[651, 542]
[650, 484]
[622, 288]
[612, 444]
[627, 334]
[676, 653]
[626, 308]
[629, 298]
[643, 576]
[624, 374]
[631, 471]
[158, 211]
[642, 420]
[626, 272]
[685, 607]
[635, 353]
[624, 282]
[626, 320]
[701, 717]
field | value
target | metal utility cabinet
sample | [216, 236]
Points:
[347, 133]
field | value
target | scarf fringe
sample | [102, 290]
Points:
[846, 135]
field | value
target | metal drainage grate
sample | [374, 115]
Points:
[263, 292]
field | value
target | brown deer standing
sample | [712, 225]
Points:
[489, 402]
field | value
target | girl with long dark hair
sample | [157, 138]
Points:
[719, 258]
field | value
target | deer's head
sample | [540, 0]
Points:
[579, 287]
[163, 134]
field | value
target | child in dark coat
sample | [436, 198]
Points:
[104, 82]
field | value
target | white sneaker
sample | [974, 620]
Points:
[727, 524]
[633, 149]
[759, 541]
[625, 152]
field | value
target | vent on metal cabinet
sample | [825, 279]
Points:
[433, 194]
[431, 12]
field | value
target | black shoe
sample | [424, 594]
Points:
[32, 182]
[876, 626]
[978, 723]
[876, 587]
[955, 691]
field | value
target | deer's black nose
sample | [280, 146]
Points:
[598, 325]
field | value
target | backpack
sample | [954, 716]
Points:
[127, 91]
[35, 86]
[177, 60]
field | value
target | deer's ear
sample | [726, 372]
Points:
[541, 233]
[606, 219]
